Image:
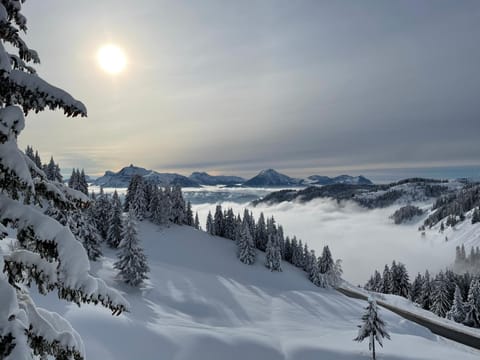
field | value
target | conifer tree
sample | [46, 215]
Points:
[49, 255]
[246, 247]
[427, 291]
[102, 213]
[326, 261]
[472, 316]
[457, 312]
[416, 289]
[132, 262]
[261, 233]
[229, 224]
[196, 222]
[190, 221]
[178, 206]
[315, 276]
[373, 327]
[138, 203]
[210, 226]
[218, 223]
[441, 300]
[115, 224]
[273, 255]
[387, 287]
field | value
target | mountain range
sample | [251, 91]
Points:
[265, 178]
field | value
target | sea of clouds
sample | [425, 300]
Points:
[364, 239]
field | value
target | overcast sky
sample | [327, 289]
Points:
[236, 86]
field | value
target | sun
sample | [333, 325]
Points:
[112, 59]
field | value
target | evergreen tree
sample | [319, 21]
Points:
[387, 287]
[273, 255]
[132, 262]
[25, 193]
[326, 261]
[261, 238]
[246, 247]
[229, 224]
[476, 216]
[457, 312]
[427, 291]
[210, 226]
[400, 280]
[138, 202]
[472, 316]
[115, 226]
[288, 250]
[373, 327]
[416, 289]
[218, 223]
[102, 213]
[315, 276]
[190, 221]
[178, 206]
[38, 160]
[196, 222]
[441, 301]
[131, 190]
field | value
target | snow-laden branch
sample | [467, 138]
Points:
[73, 280]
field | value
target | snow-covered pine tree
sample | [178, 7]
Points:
[416, 289]
[210, 225]
[132, 262]
[178, 206]
[38, 160]
[315, 276]
[373, 327]
[131, 189]
[138, 203]
[83, 184]
[246, 247]
[229, 224]
[196, 223]
[218, 223]
[326, 260]
[287, 256]
[190, 221]
[261, 233]
[115, 224]
[427, 291]
[310, 259]
[74, 180]
[273, 255]
[472, 306]
[441, 300]
[48, 255]
[387, 286]
[102, 213]
[457, 312]
[401, 280]
[377, 281]
[297, 252]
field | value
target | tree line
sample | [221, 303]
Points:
[268, 236]
[447, 294]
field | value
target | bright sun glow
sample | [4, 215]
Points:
[111, 59]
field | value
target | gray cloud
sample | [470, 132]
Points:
[224, 84]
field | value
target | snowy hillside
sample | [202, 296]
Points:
[202, 303]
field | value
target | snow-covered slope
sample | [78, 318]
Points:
[202, 303]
